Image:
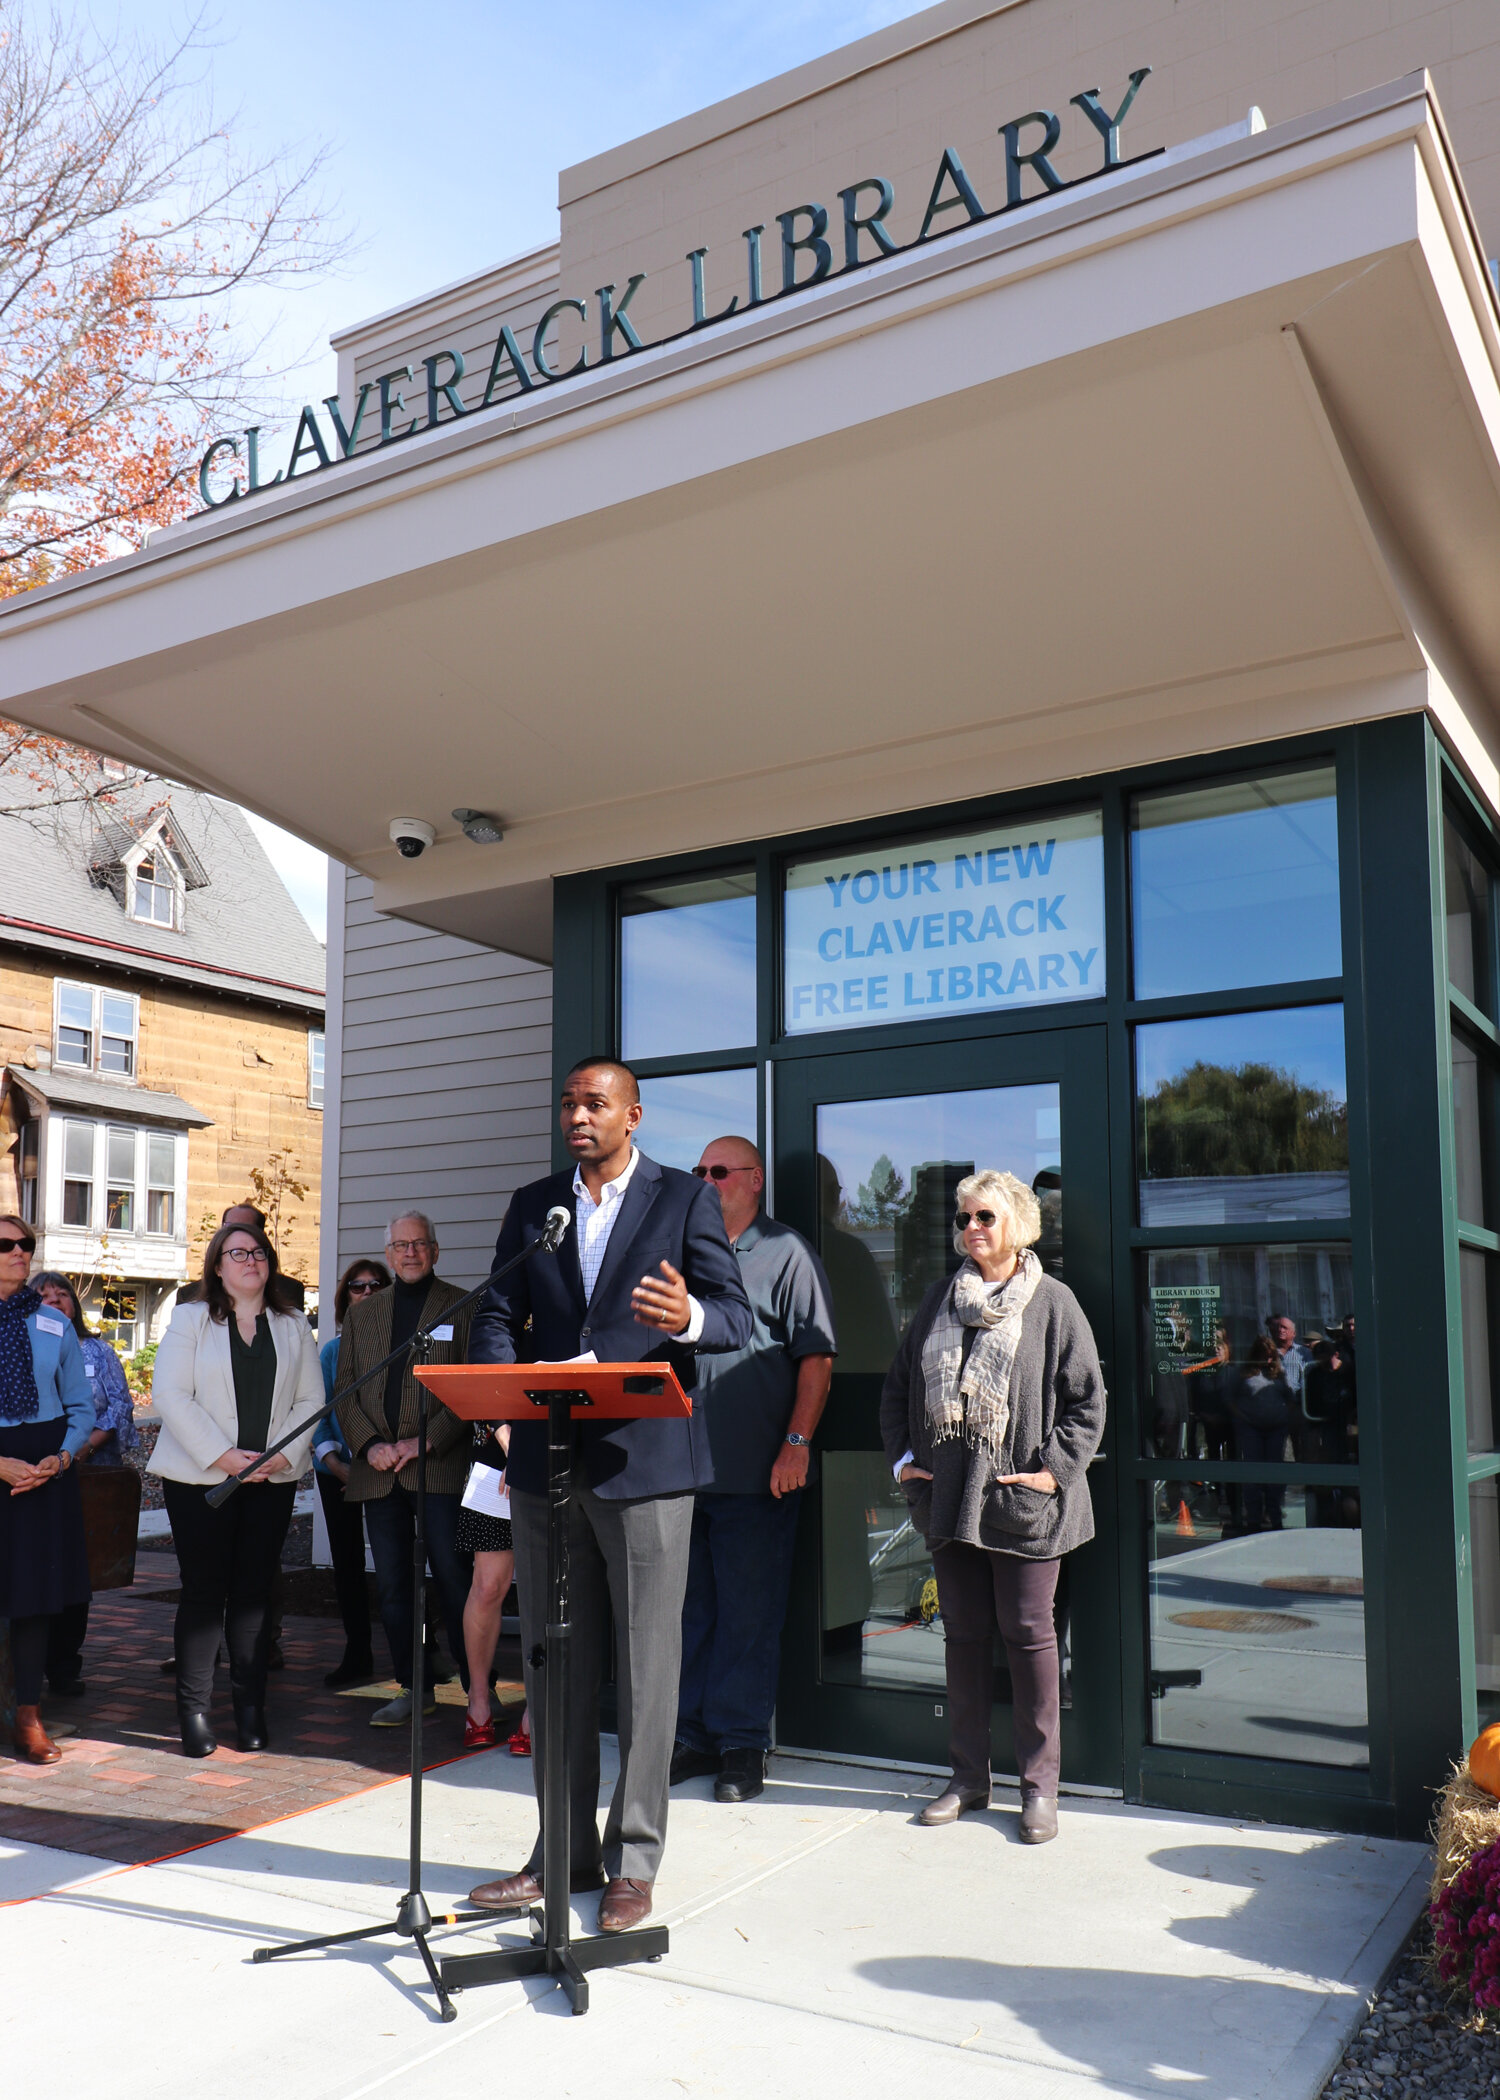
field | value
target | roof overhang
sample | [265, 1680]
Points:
[140, 1104]
[1203, 452]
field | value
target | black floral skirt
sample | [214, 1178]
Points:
[44, 1557]
[477, 1532]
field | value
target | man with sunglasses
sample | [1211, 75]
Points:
[760, 1405]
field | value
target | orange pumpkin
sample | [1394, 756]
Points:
[1484, 1759]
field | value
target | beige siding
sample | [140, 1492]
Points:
[445, 1083]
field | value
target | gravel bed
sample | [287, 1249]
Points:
[1414, 2040]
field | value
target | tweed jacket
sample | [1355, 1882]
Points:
[363, 1340]
[1057, 1407]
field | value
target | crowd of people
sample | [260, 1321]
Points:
[681, 1530]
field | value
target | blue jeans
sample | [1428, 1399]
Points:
[391, 1522]
[739, 1578]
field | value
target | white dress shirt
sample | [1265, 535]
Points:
[595, 1223]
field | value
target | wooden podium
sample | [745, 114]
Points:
[563, 1394]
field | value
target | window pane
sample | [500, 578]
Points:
[687, 966]
[75, 1046]
[78, 1203]
[1484, 1561]
[315, 1043]
[75, 1005]
[78, 1150]
[122, 1156]
[880, 1618]
[1473, 1130]
[119, 1210]
[976, 921]
[687, 1112]
[887, 1171]
[1204, 1312]
[116, 1054]
[1466, 897]
[1235, 883]
[117, 1014]
[1243, 1118]
[1476, 1283]
[161, 1162]
[28, 1149]
[1258, 1621]
[160, 1210]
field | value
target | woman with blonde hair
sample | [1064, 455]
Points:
[991, 1411]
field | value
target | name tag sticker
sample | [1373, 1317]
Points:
[443, 1333]
[49, 1325]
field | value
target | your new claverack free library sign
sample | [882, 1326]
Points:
[974, 921]
[804, 239]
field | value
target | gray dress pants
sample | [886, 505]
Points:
[632, 1556]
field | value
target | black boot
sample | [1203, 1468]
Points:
[354, 1669]
[742, 1776]
[198, 1738]
[250, 1721]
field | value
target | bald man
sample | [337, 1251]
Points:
[760, 1405]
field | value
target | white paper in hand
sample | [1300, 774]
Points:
[485, 1493]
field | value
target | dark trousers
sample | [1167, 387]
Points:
[1259, 1444]
[28, 1651]
[66, 1633]
[346, 1542]
[978, 1591]
[228, 1558]
[739, 1578]
[627, 1560]
[392, 1524]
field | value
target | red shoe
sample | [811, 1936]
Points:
[478, 1735]
[520, 1743]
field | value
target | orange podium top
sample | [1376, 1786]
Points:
[523, 1392]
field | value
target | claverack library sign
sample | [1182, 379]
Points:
[231, 467]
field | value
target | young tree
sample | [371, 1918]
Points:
[128, 224]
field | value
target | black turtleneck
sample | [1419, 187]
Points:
[407, 1301]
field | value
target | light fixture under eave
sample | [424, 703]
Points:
[482, 829]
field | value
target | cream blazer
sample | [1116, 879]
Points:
[192, 1389]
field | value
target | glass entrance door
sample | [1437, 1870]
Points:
[869, 1152]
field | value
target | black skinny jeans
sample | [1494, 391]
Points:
[228, 1558]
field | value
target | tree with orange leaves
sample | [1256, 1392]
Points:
[127, 225]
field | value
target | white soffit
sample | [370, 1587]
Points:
[1043, 498]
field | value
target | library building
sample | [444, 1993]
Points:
[951, 619]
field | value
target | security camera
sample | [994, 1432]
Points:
[411, 837]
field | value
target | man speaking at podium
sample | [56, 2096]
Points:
[646, 1272]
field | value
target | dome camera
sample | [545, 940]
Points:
[411, 837]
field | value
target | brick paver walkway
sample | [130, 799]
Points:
[125, 1792]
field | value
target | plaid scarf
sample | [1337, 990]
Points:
[18, 1393]
[976, 1404]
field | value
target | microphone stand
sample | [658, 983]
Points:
[414, 1919]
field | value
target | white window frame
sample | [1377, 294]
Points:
[55, 1175]
[167, 875]
[316, 1087]
[96, 994]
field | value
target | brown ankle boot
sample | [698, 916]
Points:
[33, 1744]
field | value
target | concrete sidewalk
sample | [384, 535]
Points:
[821, 1943]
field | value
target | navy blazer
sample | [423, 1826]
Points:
[665, 1216]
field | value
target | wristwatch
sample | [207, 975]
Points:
[792, 1437]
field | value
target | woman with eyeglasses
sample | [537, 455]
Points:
[345, 1519]
[990, 1415]
[46, 1418]
[236, 1369]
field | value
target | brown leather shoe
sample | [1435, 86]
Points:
[519, 1891]
[1039, 1819]
[33, 1744]
[948, 1807]
[626, 1904]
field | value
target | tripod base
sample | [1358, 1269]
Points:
[568, 1964]
[413, 1921]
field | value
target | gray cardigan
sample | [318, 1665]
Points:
[1056, 1422]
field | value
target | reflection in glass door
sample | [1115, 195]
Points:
[887, 1173]
[871, 1149]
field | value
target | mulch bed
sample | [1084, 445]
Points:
[1415, 2040]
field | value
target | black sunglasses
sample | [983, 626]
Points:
[977, 1217]
[10, 1246]
[720, 1173]
[366, 1283]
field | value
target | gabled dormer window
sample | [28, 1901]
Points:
[155, 891]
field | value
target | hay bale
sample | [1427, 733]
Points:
[1468, 1821]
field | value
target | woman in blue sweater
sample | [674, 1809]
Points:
[46, 1418]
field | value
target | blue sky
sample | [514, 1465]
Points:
[447, 126]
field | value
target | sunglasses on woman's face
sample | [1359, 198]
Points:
[9, 1246]
[966, 1218]
[366, 1283]
[720, 1173]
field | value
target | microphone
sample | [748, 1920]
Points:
[558, 1221]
